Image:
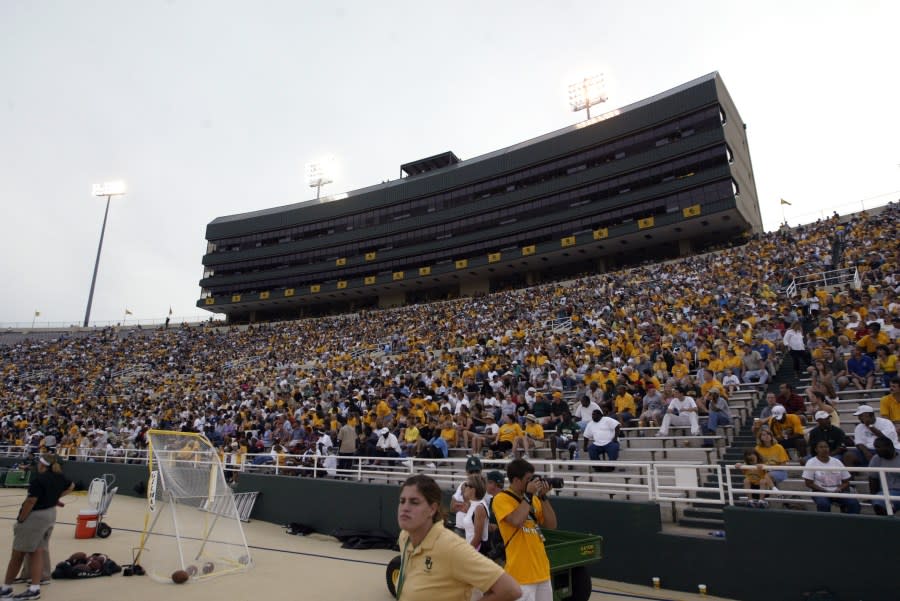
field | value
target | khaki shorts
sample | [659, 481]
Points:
[34, 533]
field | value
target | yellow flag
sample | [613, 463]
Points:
[128, 312]
[37, 313]
[784, 202]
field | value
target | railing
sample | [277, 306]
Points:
[660, 481]
[834, 277]
[67, 325]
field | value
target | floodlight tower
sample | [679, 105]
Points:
[107, 189]
[586, 93]
[319, 173]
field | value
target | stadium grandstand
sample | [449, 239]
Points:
[664, 177]
[770, 322]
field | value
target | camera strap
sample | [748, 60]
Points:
[531, 514]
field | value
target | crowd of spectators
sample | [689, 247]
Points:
[492, 374]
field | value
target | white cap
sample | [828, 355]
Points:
[778, 410]
[863, 409]
[822, 415]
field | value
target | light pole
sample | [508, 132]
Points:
[586, 93]
[319, 173]
[107, 189]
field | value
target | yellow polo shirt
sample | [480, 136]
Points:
[444, 567]
[890, 408]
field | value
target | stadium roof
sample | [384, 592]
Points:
[455, 165]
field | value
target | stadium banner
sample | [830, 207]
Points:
[264, 295]
[341, 262]
[235, 298]
[528, 250]
[646, 222]
[341, 284]
[462, 263]
[370, 279]
[567, 241]
[398, 275]
[493, 257]
[315, 288]
[601, 234]
[691, 211]
[424, 270]
[210, 300]
[289, 292]
[370, 256]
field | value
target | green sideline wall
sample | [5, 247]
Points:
[767, 555]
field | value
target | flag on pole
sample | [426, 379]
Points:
[784, 202]
[170, 309]
[37, 313]
[128, 312]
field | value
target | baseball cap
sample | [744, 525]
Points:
[473, 464]
[863, 409]
[496, 476]
[530, 417]
[822, 415]
[778, 410]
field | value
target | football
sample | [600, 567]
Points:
[208, 567]
[180, 576]
[78, 557]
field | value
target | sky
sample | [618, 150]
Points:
[211, 108]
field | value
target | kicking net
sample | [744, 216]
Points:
[192, 522]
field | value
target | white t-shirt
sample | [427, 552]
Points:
[601, 433]
[862, 434]
[828, 480]
[682, 404]
[584, 413]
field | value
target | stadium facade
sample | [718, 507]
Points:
[659, 178]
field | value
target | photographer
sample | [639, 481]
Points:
[521, 510]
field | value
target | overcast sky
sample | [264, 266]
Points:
[210, 108]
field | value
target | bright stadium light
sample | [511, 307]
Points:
[107, 189]
[586, 93]
[319, 173]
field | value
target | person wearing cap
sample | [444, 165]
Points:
[34, 525]
[458, 501]
[867, 430]
[885, 456]
[787, 429]
[834, 481]
[532, 437]
[827, 431]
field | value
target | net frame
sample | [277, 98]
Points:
[187, 478]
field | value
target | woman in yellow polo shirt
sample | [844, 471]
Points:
[436, 564]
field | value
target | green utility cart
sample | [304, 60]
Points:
[570, 554]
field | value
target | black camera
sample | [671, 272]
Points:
[552, 481]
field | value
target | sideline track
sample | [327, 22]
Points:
[311, 568]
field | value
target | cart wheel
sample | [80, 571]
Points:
[581, 584]
[103, 530]
[392, 575]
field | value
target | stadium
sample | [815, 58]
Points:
[613, 262]
[660, 178]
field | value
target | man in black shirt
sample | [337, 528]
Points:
[834, 436]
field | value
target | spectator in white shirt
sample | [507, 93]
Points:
[602, 433]
[682, 411]
[867, 430]
[585, 411]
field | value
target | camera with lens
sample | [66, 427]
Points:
[552, 481]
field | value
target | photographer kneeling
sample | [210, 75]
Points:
[521, 511]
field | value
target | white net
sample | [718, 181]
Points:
[192, 521]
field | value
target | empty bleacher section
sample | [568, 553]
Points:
[268, 393]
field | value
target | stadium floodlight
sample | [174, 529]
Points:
[586, 93]
[319, 173]
[107, 189]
